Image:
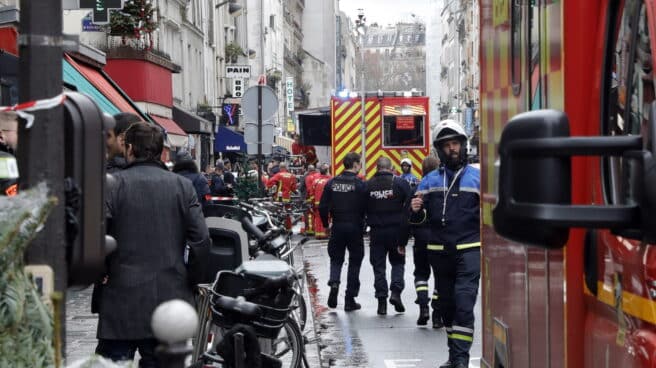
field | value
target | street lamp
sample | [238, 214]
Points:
[361, 28]
[233, 8]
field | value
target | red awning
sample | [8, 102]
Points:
[103, 85]
[176, 136]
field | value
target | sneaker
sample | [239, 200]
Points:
[350, 304]
[395, 300]
[332, 297]
[382, 306]
[424, 315]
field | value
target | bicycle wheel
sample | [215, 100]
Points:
[299, 311]
[288, 346]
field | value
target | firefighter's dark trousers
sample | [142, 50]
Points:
[345, 236]
[383, 244]
[458, 278]
[423, 268]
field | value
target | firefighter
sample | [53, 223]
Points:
[406, 173]
[344, 198]
[284, 182]
[307, 182]
[448, 199]
[316, 189]
[422, 271]
[388, 198]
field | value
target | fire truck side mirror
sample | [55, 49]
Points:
[534, 199]
[86, 129]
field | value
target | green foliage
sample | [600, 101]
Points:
[135, 20]
[26, 324]
[232, 52]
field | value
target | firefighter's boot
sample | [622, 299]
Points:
[424, 314]
[332, 297]
[395, 300]
[350, 304]
[382, 306]
[448, 364]
[437, 319]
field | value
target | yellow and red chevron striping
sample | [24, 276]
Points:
[346, 137]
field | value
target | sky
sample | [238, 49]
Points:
[386, 12]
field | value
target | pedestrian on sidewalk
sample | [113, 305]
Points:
[187, 167]
[449, 199]
[388, 200]
[344, 198]
[152, 213]
[421, 234]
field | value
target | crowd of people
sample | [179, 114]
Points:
[440, 211]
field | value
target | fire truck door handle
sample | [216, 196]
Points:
[590, 260]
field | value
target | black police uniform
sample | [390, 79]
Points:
[454, 250]
[388, 198]
[344, 198]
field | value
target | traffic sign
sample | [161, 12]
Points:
[249, 103]
[251, 149]
[100, 9]
[250, 132]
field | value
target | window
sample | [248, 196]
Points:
[272, 22]
[628, 87]
[403, 130]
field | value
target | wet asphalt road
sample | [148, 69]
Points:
[364, 339]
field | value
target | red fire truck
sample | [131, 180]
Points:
[568, 183]
[397, 126]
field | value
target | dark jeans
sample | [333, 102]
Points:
[384, 243]
[122, 350]
[345, 236]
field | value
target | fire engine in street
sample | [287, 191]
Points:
[396, 126]
[568, 183]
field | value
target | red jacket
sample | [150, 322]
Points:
[320, 182]
[309, 180]
[308, 152]
[285, 183]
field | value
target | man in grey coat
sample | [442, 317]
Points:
[152, 213]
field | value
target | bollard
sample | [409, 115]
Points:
[173, 323]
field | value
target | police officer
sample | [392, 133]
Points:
[448, 198]
[344, 198]
[388, 198]
[422, 270]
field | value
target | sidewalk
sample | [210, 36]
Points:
[81, 323]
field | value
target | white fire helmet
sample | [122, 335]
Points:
[448, 129]
[406, 161]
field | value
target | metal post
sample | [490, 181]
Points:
[259, 138]
[40, 76]
[363, 128]
[363, 125]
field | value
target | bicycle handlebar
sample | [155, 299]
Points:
[238, 305]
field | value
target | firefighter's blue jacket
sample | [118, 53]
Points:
[456, 225]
